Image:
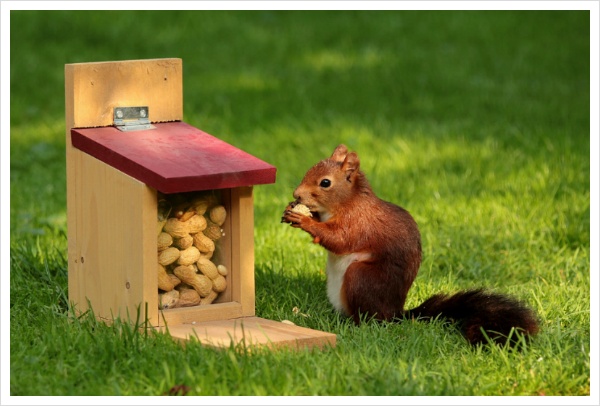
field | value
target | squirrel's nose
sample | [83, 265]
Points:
[297, 195]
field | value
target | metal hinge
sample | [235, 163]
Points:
[132, 118]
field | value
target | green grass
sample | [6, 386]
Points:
[476, 122]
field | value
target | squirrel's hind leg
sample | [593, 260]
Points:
[366, 293]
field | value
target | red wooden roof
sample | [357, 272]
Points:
[174, 157]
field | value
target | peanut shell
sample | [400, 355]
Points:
[187, 215]
[202, 203]
[168, 256]
[184, 242]
[222, 270]
[164, 282]
[219, 284]
[188, 256]
[301, 209]
[208, 268]
[203, 243]
[177, 229]
[200, 206]
[201, 283]
[174, 279]
[164, 241]
[196, 224]
[207, 255]
[213, 231]
[218, 215]
[188, 297]
[209, 299]
[168, 300]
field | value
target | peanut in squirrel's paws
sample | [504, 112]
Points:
[294, 212]
[301, 209]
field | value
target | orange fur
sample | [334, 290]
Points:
[375, 250]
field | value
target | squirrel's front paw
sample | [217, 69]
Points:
[293, 218]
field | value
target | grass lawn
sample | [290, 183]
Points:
[476, 122]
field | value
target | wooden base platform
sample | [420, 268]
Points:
[251, 331]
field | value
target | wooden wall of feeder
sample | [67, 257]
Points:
[160, 214]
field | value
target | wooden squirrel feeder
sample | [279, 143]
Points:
[128, 151]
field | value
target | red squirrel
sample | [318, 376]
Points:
[374, 254]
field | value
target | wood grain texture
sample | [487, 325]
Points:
[252, 331]
[242, 249]
[174, 157]
[112, 255]
[111, 217]
[97, 88]
[196, 314]
[112, 183]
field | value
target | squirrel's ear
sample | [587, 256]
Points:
[339, 154]
[350, 166]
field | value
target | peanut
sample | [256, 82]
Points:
[201, 204]
[187, 214]
[210, 298]
[174, 279]
[168, 256]
[164, 241]
[222, 270]
[203, 243]
[188, 297]
[164, 282]
[207, 255]
[213, 231]
[219, 284]
[177, 229]
[199, 282]
[218, 215]
[184, 242]
[302, 209]
[208, 268]
[168, 300]
[188, 256]
[196, 224]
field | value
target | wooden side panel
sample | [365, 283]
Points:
[99, 87]
[112, 256]
[242, 249]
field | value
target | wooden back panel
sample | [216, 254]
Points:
[94, 89]
[110, 215]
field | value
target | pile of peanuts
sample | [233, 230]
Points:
[188, 230]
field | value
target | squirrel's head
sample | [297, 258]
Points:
[331, 183]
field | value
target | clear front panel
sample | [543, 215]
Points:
[193, 249]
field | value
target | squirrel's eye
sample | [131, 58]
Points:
[325, 183]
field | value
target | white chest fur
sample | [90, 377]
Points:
[336, 269]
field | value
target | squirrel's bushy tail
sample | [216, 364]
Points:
[477, 310]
